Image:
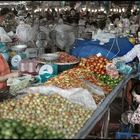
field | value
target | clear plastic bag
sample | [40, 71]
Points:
[76, 95]
[112, 70]
[4, 36]
[93, 88]
[17, 84]
[24, 33]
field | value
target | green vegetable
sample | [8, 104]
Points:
[106, 79]
[12, 129]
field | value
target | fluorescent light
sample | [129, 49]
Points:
[110, 9]
[123, 9]
[89, 10]
[120, 10]
[83, 9]
[102, 9]
[114, 10]
[95, 10]
[56, 9]
[37, 10]
[12, 3]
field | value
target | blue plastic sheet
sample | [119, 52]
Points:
[86, 48]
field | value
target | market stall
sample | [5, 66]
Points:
[58, 94]
[64, 91]
[103, 108]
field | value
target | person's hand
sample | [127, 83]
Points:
[114, 60]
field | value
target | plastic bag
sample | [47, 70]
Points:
[135, 118]
[4, 36]
[93, 88]
[17, 84]
[112, 70]
[24, 33]
[123, 68]
[76, 95]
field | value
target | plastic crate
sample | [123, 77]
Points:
[126, 135]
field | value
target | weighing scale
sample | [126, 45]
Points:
[20, 54]
[31, 52]
[48, 66]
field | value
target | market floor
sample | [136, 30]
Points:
[114, 124]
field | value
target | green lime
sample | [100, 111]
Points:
[7, 125]
[15, 136]
[8, 132]
[7, 137]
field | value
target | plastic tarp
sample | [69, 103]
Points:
[86, 48]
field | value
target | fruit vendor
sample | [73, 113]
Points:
[129, 57]
[5, 73]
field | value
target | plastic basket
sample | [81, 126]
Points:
[127, 135]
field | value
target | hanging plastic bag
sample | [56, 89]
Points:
[4, 36]
[24, 33]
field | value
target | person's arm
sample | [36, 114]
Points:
[7, 76]
[129, 56]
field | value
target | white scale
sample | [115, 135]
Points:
[21, 54]
[19, 49]
[31, 52]
[48, 66]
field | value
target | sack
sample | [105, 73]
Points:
[4, 69]
[76, 95]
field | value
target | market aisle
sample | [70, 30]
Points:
[114, 124]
